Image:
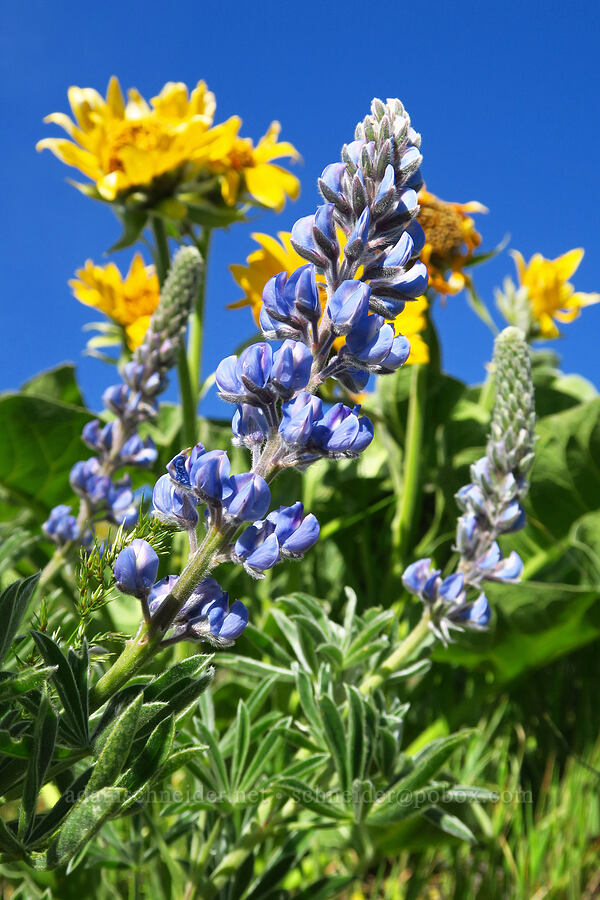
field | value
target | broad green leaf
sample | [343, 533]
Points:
[56, 384]
[41, 441]
[13, 606]
[134, 221]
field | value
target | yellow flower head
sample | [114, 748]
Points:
[129, 301]
[549, 292]
[274, 256]
[450, 240]
[245, 166]
[122, 146]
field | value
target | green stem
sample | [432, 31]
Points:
[400, 655]
[413, 453]
[197, 319]
[163, 264]
[147, 641]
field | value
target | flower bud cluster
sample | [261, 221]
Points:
[490, 503]
[205, 616]
[132, 402]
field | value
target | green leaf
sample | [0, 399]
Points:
[243, 665]
[165, 686]
[357, 738]
[177, 760]
[9, 843]
[265, 750]
[83, 822]
[74, 705]
[116, 748]
[57, 384]
[12, 686]
[336, 739]
[148, 761]
[451, 825]
[311, 798]
[307, 701]
[41, 441]
[47, 823]
[13, 606]
[42, 750]
[134, 221]
[241, 744]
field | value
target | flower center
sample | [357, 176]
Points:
[143, 134]
[443, 229]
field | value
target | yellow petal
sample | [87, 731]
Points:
[136, 332]
[566, 265]
[114, 98]
[72, 155]
[271, 184]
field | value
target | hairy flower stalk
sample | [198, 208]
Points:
[132, 402]
[490, 504]
[371, 196]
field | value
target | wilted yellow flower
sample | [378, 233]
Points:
[450, 240]
[550, 294]
[275, 256]
[122, 146]
[129, 301]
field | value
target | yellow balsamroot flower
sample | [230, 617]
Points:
[128, 301]
[274, 256]
[249, 167]
[122, 145]
[127, 145]
[450, 240]
[549, 292]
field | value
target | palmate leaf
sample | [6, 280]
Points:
[82, 823]
[115, 748]
[12, 686]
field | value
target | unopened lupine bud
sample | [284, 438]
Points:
[249, 426]
[136, 568]
[348, 305]
[291, 368]
[341, 431]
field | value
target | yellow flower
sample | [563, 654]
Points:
[450, 240]
[244, 165]
[275, 256]
[129, 301]
[123, 146]
[550, 294]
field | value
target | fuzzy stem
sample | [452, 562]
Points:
[400, 655]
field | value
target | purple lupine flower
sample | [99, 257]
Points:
[298, 418]
[348, 305]
[136, 568]
[249, 426]
[173, 507]
[291, 368]
[341, 431]
[249, 498]
[61, 526]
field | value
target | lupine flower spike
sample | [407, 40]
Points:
[132, 402]
[490, 504]
[371, 200]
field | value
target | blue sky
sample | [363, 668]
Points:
[505, 96]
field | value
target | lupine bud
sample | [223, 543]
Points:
[369, 342]
[303, 241]
[204, 597]
[61, 526]
[249, 498]
[209, 476]
[291, 367]
[348, 305]
[136, 568]
[324, 230]
[173, 507]
[357, 240]
[305, 292]
[116, 398]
